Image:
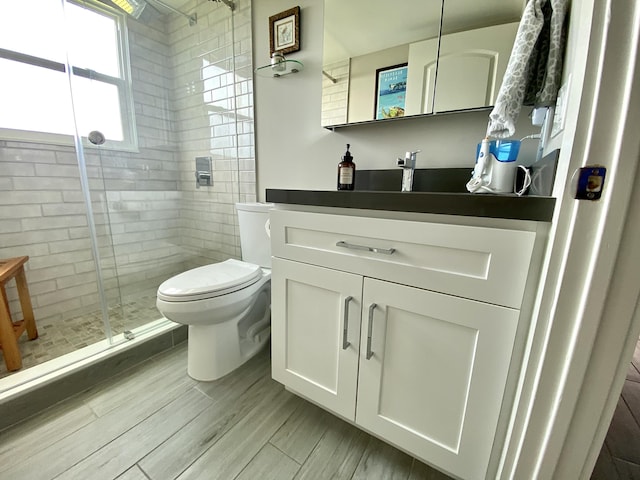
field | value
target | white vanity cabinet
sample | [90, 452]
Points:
[405, 328]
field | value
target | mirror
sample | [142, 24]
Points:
[364, 78]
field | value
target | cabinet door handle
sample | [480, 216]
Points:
[353, 246]
[372, 307]
[345, 322]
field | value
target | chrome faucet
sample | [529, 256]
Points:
[408, 165]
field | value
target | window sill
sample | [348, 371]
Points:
[55, 139]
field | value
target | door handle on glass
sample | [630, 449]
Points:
[372, 307]
[345, 322]
[353, 246]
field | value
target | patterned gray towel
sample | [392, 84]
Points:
[535, 66]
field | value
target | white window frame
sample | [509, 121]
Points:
[123, 84]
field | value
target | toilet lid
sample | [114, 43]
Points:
[209, 281]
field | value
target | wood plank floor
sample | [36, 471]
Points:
[155, 423]
[620, 454]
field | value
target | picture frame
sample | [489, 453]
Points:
[284, 31]
[390, 93]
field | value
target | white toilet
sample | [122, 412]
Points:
[227, 305]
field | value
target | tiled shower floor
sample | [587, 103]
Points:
[74, 333]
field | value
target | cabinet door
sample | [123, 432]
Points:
[311, 353]
[471, 65]
[421, 77]
[434, 382]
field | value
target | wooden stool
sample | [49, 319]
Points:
[10, 331]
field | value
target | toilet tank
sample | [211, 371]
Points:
[255, 242]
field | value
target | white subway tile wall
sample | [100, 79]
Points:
[213, 101]
[335, 96]
[193, 97]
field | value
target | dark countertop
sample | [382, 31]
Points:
[474, 205]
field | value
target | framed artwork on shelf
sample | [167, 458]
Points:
[391, 89]
[284, 31]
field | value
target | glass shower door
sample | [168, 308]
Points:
[121, 162]
[43, 208]
[184, 107]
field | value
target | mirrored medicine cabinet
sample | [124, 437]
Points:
[413, 58]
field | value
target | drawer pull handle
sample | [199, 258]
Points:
[345, 342]
[372, 307]
[353, 246]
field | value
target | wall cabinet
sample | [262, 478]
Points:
[423, 369]
[466, 42]
[480, 55]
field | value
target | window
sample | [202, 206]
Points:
[38, 39]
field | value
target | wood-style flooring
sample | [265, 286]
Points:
[620, 454]
[154, 422]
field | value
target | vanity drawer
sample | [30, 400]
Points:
[487, 264]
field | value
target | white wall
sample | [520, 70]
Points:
[294, 151]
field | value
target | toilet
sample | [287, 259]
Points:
[226, 305]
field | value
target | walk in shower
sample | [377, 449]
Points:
[108, 112]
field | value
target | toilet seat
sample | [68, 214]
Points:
[209, 281]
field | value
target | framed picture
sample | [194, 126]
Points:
[284, 31]
[391, 90]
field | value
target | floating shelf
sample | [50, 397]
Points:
[280, 69]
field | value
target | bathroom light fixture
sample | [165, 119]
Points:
[132, 7]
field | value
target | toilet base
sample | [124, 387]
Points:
[225, 330]
[211, 355]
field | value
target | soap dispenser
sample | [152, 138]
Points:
[346, 172]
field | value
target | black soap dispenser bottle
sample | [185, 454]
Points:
[346, 172]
